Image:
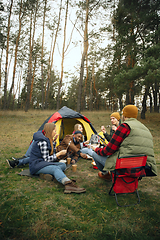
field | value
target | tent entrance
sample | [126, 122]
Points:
[67, 127]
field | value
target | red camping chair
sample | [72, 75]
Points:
[128, 171]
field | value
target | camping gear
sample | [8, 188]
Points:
[94, 139]
[103, 140]
[128, 171]
[65, 119]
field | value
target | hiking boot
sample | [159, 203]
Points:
[105, 176]
[70, 187]
[12, 164]
[47, 177]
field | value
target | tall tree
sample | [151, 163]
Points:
[7, 52]
[84, 54]
[63, 52]
[42, 55]
[50, 65]
[16, 51]
[32, 47]
[32, 6]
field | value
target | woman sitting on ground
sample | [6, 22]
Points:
[43, 159]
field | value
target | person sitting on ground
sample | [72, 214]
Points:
[18, 162]
[72, 144]
[115, 120]
[79, 127]
[131, 138]
[44, 159]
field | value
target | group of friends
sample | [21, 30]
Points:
[128, 137]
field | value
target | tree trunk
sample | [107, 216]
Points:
[34, 70]
[120, 103]
[91, 93]
[63, 51]
[144, 108]
[85, 49]
[85, 86]
[94, 87]
[150, 97]
[42, 75]
[155, 95]
[6, 64]
[52, 54]
[1, 77]
[29, 75]
[15, 58]
[32, 46]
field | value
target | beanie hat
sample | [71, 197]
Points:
[116, 115]
[130, 111]
[77, 132]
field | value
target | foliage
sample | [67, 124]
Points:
[112, 75]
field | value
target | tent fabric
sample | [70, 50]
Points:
[65, 119]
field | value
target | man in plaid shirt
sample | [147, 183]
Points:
[114, 144]
[121, 133]
[131, 138]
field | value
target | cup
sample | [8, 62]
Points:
[74, 167]
[68, 161]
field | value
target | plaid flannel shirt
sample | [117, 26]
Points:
[45, 152]
[120, 134]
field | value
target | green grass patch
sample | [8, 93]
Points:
[31, 208]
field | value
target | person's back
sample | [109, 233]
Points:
[138, 142]
[131, 138]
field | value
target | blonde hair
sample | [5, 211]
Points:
[48, 128]
[76, 127]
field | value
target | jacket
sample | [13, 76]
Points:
[139, 141]
[73, 148]
[36, 161]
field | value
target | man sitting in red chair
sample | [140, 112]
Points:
[131, 138]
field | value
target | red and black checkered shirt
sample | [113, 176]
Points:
[120, 134]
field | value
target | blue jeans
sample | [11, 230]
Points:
[99, 160]
[29, 149]
[25, 160]
[55, 170]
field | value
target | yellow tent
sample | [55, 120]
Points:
[65, 119]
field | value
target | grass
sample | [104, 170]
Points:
[31, 208]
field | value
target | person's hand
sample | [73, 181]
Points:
[103, 129]
[93, 147]
[62, 152]
[83, 155]
[114, 128]
[86, 142]
[73, 161]
[55, 138]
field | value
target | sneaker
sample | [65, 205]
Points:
[47, 177]
[12, 164]
[18, 158]
[71, 187]
[105, 176]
